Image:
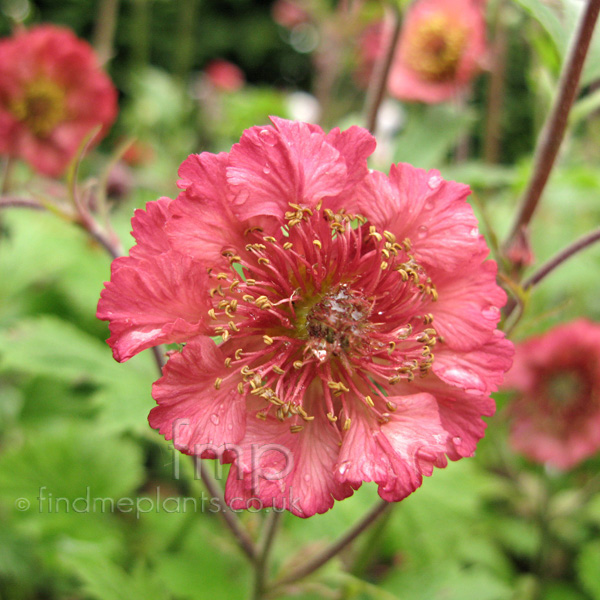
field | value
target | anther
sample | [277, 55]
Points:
[298, 364]
[218, 382]
[296, 428]
[391, 406]
[238, 353]
[288, 245]
[318, 244]
[278, 370]
[211, 314]
[267, 340]
[240, 388]
[369, 401]
[332, 418]
[347, 424]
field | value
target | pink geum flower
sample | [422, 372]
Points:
[225, 76]
[441, 48]
[355, 311]
[555, 419]
[52, 94]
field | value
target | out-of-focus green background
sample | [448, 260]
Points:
[96, 505]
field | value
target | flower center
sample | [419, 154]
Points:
[329, 301]
[41, 107]
[338, 323]
[434, 48]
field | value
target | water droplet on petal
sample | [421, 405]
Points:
[307, 478]
[344, 467]
[434, 182]
[268, 137]
[214, 419]
[474, 232]
[266, 169]
[491, 312]
[457, 441]
[422, 231]
[429, 205]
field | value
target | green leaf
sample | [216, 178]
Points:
[74, 462]
[430, 133]
[588, 567]
[104, 580]
[57, 349]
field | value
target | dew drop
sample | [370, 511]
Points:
[491, 312]
[344, 467]
[457, 441]
[266, 169]
[428, 205]
[268, 137]
[422, 231]
[307, 478]
[214, 418]
[434, 182]
[474, 232]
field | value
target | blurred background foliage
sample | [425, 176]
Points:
[73, 422]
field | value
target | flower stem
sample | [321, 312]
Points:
[318, 561]
[554, 128]
[229, 517]
[549, 266]
[381, 71]
[262, 558]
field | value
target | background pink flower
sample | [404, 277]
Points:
[357, 313]
[52, 94]
[225, 76]
[556, 416]
[441, 47]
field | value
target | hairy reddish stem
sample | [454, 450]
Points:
[553, 263]
[318, 561]
[381, 71]
[554, 128]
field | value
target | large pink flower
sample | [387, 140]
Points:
[556, 417]
[356, 314]
[52, 94]
[441, 48]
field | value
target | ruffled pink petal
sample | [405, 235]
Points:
[468, 305]
[289, 162]
[479, 371]
[153, 301]
[461, 417]
[355, 144]
[202, 222]
[431, 212]
[396, 454]
[199, 418]
[149, 229]
[292, 471]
